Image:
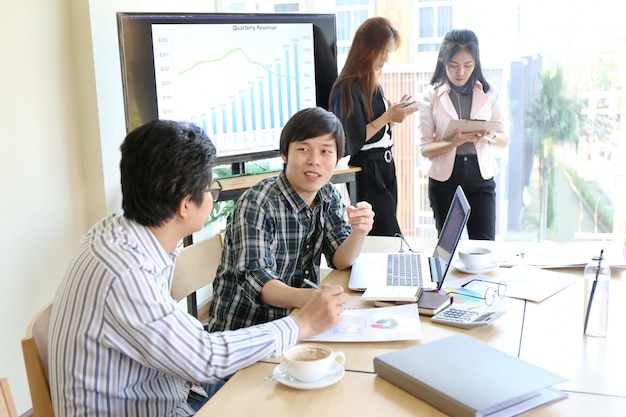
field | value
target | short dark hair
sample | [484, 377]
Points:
[453, 42]
[311, 123]
[162, 163]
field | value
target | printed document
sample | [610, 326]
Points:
[378, 324]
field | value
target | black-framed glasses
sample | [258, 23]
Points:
[490, 292]
[215, 190]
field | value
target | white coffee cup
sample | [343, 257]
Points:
[476, 257]
[310, 362]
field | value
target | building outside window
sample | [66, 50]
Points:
[350, 15]
[435, 20]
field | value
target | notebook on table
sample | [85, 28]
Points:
[464, 377]
[402, 276]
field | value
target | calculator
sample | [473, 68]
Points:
[465, 319]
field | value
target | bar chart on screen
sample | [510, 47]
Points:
[240, 83]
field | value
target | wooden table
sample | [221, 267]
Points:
[364, 395]
[592, 365]
[548, 334]
[504, 334]
[249, 394]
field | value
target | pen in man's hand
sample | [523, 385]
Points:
[312, 284]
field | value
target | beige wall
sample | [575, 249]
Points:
[43, 204]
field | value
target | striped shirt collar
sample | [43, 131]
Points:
[143, 236]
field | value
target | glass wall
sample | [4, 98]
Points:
[560, 183]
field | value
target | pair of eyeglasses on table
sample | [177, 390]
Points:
[493, 289]
[469, 319]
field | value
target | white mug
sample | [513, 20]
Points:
[310, 362]
[477, 257]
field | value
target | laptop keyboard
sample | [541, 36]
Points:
[404, 269]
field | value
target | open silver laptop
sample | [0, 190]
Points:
[401, 276]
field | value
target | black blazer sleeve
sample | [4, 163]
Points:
[355, 125]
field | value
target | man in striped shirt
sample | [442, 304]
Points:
[118, 344]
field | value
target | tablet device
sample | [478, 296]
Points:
[470, 125]
[421, 105]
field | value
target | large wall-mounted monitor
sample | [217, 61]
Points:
[238, 76]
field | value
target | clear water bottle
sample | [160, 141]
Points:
[596, 302]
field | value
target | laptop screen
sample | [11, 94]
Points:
[450, 234]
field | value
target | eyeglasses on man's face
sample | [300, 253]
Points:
[215, 190]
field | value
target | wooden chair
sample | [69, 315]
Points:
[7, 405]
[195, 268]
[35, 350]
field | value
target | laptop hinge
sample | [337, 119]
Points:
[434, 273]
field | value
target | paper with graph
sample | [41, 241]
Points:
[378, 324]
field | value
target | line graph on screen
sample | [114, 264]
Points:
[240, 83]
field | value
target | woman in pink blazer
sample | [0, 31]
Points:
[460, 91]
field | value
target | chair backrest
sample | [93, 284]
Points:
[35, 350]
[196, 266]
[7, 405]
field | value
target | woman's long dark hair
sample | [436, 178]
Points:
[455, 41]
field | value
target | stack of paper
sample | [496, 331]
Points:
[573, 254]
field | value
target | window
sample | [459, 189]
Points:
[286, 7]
[260, 7]
[435, 20]
[238, 7]
[515, 52]
[350, 15]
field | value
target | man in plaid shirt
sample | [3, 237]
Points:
[280, 227]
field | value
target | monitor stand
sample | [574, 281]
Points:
[238, 168]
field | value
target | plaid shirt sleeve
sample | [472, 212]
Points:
[336, 227]
[249, 259]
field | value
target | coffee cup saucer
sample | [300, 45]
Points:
[457, 264]
[334, 375]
